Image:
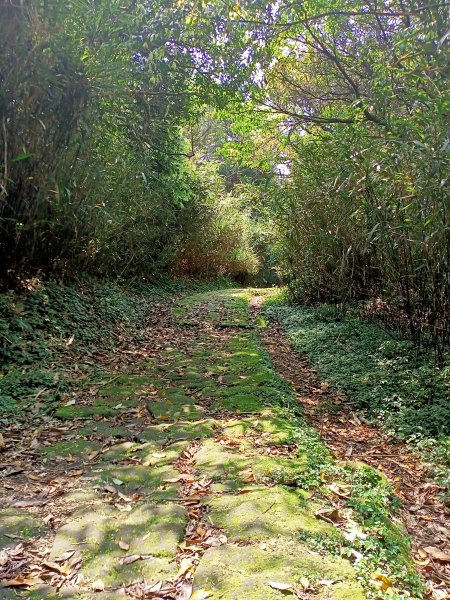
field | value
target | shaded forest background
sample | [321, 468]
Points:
[298, 142]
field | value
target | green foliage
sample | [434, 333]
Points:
[47, 329]
[386, 377]
[94, 167]
[352, 100]
[436, 452]
[19, 389]
[216, 238]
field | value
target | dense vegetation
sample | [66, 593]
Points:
[302, 142]
[95, 173]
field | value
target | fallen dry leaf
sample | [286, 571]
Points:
[21, 582]
[437, 553]
[283, 587]
[75, 473]
[61, 569]
[247, 475]
[380, 581]
[331, 515]
[186, 565]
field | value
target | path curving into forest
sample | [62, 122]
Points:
[187, 471]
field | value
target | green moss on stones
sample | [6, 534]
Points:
[268, 428]
[226, 308]
[152, 455]
[70, 413]
[18, 524]
[100, 428]
[233, 573]
[182, 430]
[138, 478]
[219, 462]
[265, 513]
[152, 531]
[168, 410]
[118, 452]
[77, 448]
[237, 403]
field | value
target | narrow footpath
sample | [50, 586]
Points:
[188, 472]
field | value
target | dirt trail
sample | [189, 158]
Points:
[185, 474]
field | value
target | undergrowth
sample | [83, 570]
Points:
[51, 332]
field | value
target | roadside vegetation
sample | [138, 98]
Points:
[388, 380]
[157, 159]
[53, 337]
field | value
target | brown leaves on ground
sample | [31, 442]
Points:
[35, 569]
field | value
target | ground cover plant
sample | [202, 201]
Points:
[53, 335]
[384, 375]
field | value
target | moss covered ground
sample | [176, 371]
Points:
[206, 384]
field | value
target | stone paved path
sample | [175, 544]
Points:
[191, 476]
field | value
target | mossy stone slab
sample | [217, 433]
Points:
[18, 523]
[182, 430]
[153, 456]
[167, 410]
[150, 530]
[100, 428]
[240, 403]
[218, 462]
[118, 452]
[137, 478]
[78, 448]
[274, 430]
[269, 428]
[265, 513]
[132, 381]
[118, 402]
[236, 572]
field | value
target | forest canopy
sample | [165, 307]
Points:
[305, 142]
